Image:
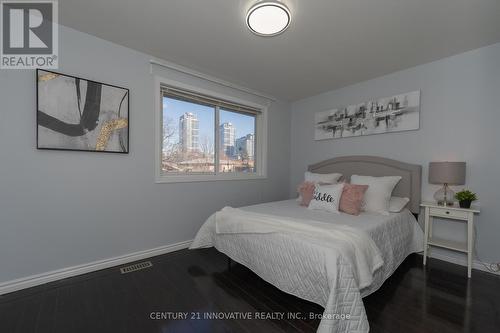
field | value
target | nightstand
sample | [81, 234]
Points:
[466, 215]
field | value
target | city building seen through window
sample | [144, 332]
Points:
[203, 138]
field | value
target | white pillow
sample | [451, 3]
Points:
[379, 192]
[327, 197]
[396, 204]
[322, 178]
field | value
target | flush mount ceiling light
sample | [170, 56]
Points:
[268, 18]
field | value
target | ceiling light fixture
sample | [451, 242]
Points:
[268, 18]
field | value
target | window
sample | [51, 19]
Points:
[207, 137]
[188, 137]
[237, 141]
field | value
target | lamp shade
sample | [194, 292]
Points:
[452, 173]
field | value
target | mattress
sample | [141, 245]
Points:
[297, 266]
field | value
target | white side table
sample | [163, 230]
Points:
[432, 210]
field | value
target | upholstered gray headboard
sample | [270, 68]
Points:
[409, 186]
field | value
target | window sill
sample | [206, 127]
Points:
[206, 178]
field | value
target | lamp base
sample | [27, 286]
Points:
[446, 203]
[445, 196]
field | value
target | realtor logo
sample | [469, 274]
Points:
[29, 36]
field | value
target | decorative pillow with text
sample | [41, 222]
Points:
[327, 197]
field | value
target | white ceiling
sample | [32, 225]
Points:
[330, 43]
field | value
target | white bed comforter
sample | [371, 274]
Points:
[332, 260]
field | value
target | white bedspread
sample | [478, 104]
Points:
[355, 246]
[318, 258]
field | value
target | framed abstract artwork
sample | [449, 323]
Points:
[384, 115]
[81, 115]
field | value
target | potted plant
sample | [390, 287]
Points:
[465, 198]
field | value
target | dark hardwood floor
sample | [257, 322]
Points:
[439, 299]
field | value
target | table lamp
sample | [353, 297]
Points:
[446, 173]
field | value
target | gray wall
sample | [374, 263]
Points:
[59, 209]
[460, 115]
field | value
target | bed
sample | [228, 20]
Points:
[312, 254]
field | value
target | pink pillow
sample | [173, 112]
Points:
[352, 198]
[306, 191]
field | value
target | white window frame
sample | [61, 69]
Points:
[260, 135]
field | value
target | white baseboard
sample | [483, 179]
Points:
[38, 279]
[461, 261]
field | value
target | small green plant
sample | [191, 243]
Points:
[466, 195]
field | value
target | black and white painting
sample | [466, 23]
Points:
[384, 115]
[78, 114]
